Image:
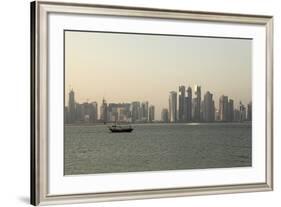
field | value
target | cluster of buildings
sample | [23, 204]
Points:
[183, 107]
[76, 112]
[136, 112]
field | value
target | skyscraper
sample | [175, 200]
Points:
[189, 104]
[208, 107]
[165, 115]
[197, 104]
[242, 110]
[223, 108]
[78, 112]
[249, 111]
[120, 112]
[173, 106]
[217, 115]
[236, 115]
[144, 111]
[123, 111]
[151, 113]
[135, 111]
[181, 103]
[201, 110]
[230, 116]
[71, 106]
[103, 111]
[185, 109]
[193, 108]
[112, 112]
[93, 112]
[85, 112]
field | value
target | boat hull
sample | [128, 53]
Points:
[120, 130]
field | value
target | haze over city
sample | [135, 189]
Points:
[147, 67]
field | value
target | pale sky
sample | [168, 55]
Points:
[136, 67]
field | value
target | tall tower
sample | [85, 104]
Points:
[103, 111]
[71, 106]
[165, 115]
[94, 111]
[181, 103]
[173, 106]
[197, 106]
[144, 111]
[135, 111]
[151, 113]
[242, 112]
[208, 107]
[249, 111]
[223, 108]
[230, 116]
[189, 104]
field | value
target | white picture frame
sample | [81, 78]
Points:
[49, 185]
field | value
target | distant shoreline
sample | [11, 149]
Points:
[158, 123]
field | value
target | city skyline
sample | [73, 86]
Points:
[145, 67]
[183, 108]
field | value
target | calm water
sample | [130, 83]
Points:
[154, 147]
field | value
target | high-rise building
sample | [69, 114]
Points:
[230, 108]
[173, 106]
[124, 113]
[201, 110]
[135, 111]
[181, 103]
[188, 105]
[223, 108]
[120, 112]
[208, 107]
[214, 110]
[103, 111]
[71, 106]
[85, 112]
[151, 113]
[242, 110]
[144, 111]
[112, 112]
[217, 115]
[185, 109]
[165, 115]
[236, 115]
[249, 111]
[193, 108]
[79, 112]
[93, 112]
[197, 104]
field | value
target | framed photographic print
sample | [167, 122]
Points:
[133, 103]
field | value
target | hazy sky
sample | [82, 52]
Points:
[136, 67]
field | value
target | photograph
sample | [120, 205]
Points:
[133, 103]
[137, 102]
